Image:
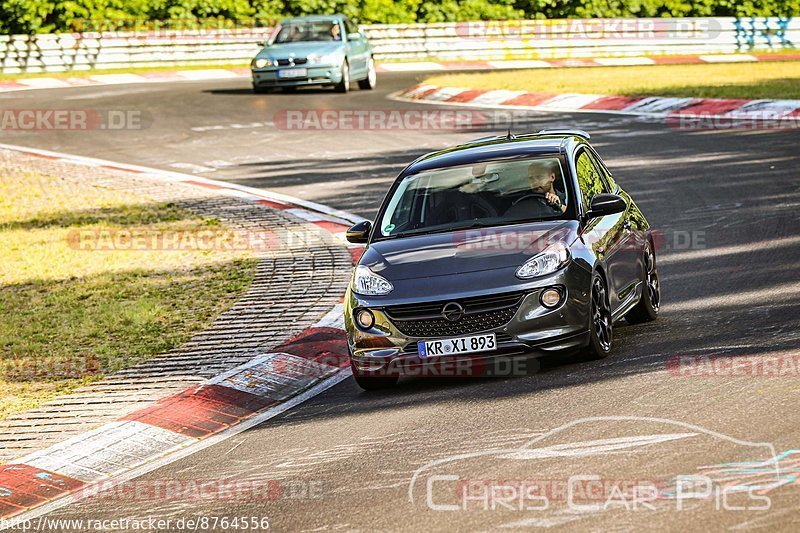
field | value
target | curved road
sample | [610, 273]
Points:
[727, 205]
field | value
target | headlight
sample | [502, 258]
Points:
[261, 62]
[328, 59]
[366, 282]
[546, 262]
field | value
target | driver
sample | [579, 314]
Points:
[541, 177]
[336, 32]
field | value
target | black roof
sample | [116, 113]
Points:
[493, 149]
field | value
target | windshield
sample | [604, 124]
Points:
[481, 195]
[297, 32]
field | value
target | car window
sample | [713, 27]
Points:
[589, 178]
[486, 194]
[313, 31]
[350, 26]
[604, 170]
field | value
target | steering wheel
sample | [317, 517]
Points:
[541, 197]
[476, 208]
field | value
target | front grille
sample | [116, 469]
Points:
[481, 313]
[296, 61]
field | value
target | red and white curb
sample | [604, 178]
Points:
[180, 425]
[54, 82]
[653, 106]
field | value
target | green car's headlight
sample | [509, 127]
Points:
[261, 62]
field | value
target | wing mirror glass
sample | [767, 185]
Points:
[353, 36]
[606, 204]
[359, 234]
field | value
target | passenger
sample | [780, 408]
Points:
[541, 177]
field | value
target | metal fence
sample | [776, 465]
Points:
[525, 39]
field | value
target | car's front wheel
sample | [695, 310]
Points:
[647, 308]
[344, 85]
[369, 381]
[601, 326]
[371, 80]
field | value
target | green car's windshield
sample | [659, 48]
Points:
[298, 32]
[480, 195]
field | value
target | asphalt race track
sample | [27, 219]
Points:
[727, 205]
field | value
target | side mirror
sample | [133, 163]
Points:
[359, 234]
[606, 204]
[353, 36]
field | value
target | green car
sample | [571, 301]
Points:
[320, 50]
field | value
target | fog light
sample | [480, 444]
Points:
[365, 318]
[551, 298]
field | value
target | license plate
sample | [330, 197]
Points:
[293, 73]
[460, 345]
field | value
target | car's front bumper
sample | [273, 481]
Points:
[532, 331]
[315, 75]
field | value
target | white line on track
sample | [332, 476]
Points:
[256, 420]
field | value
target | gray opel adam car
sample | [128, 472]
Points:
[501, 248]
[325, 50]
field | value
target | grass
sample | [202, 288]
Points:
[135, 70]
[71, 315]
[780, 79]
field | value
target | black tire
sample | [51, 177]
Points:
[368, 382]
[344, 85]
[601, 326]
[369, 83]
[647, 308]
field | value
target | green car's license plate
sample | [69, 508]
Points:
[293, 73]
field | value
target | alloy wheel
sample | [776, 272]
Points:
[601, 315]
[651, 280]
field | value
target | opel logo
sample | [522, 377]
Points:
[453, 312]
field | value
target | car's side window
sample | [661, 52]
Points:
[350, 26]
[589, 178]
[604, 170]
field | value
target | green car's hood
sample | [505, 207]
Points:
[281, 51]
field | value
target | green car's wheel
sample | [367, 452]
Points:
[344, 85]
[371, 80]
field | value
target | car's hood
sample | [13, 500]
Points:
[447, 254]
[282, 51]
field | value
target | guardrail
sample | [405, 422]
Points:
[526, 39]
